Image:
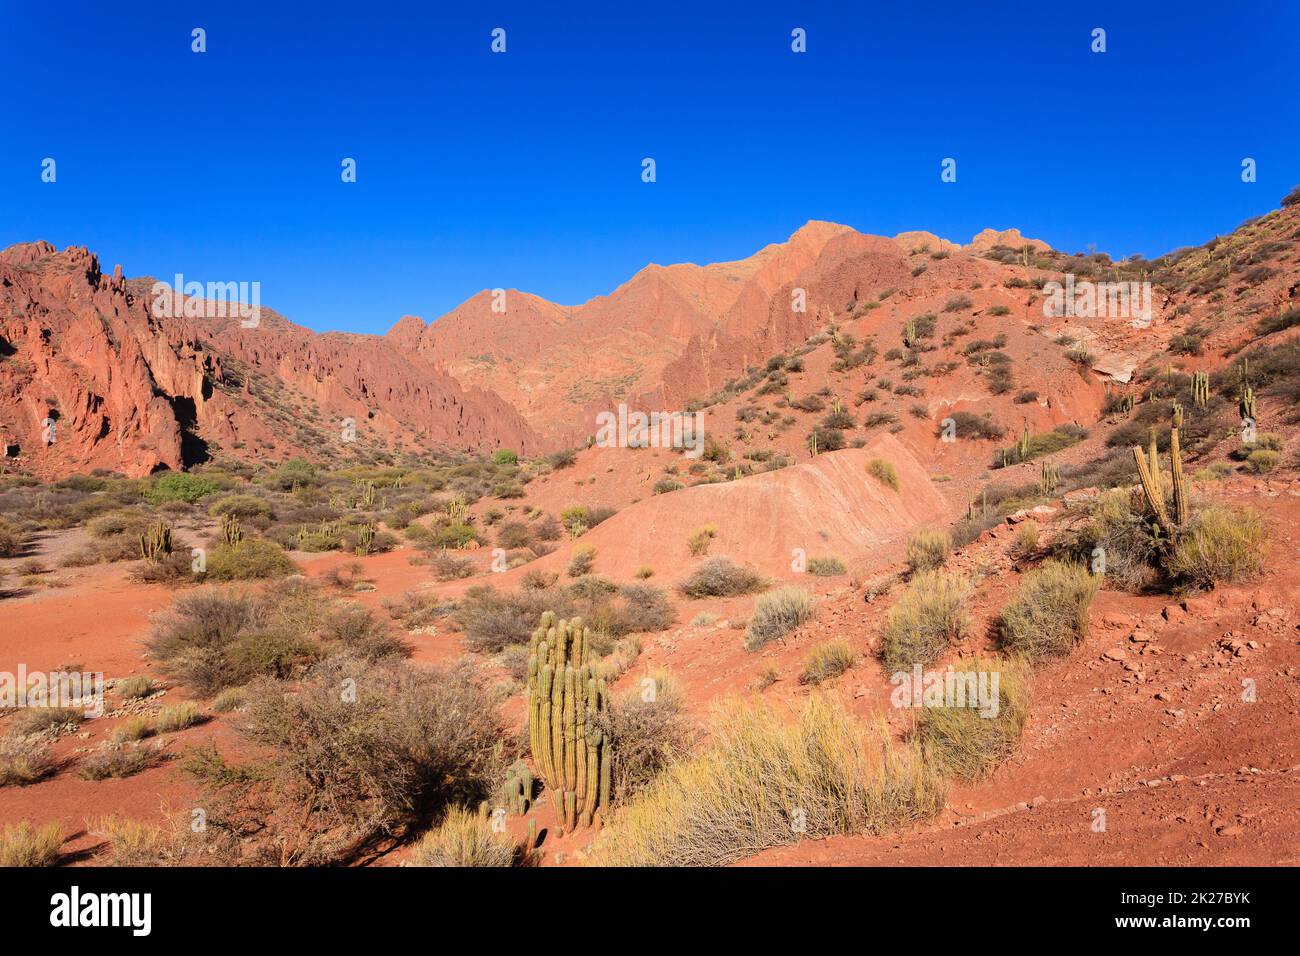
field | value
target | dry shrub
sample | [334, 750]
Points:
[884, 472]
[827, 661]
[418, 609]
[930, 614]
[179, 717]
[45, 720]
[491, 619]
[449, 567]
[344, 773]
[649, 732]
[136, 687]
[118, 761]
[138, 843]
[1220, 545]
[742, 793]
[21, 844]
[965, 742]
[927, 550]
[1049, 614]
[699, 540]
[776, 615]
[464, 838]
[826, 566]
[581, 560]
[721, 577]
[24, 760]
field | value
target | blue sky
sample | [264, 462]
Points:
[523, 169]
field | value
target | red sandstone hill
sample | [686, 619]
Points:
[133, 392]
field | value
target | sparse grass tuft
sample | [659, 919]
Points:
[827, 661]
[826, 566]
[700, 539]
[884, 472]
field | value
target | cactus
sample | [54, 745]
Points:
[156, 542]
[566, 708]
[230, 532]
[365, 538]
[517, 791]
[909, 333]
[1182, 510]
[1151, 488]
[1049, 477]
[1201, 389]
[1022, 446]
[1247, 405]
[456, 508]
[1153, 463]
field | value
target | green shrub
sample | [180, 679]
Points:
[929, 615]
[250, 559]
[776, 615]
[1049, 614]
[176, 486]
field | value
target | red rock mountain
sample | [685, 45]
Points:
[91, 378]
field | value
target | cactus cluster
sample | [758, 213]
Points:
[156, 543]
[567, 704]
[365, 538]
[1201, 389]
[1148, 467]
[517, 791]
[1049, 478]
[230, 530]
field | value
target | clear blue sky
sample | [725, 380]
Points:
[523, 170]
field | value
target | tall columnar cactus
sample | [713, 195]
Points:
[1022, 447]
[230, 531]
[1201, 389]
[156, 543]
[365, 538]
[1153, 462]
[1247, 405]
[1151, 489]
[1182, 511]
[566, 706]
[909, 333]
[1049, 477]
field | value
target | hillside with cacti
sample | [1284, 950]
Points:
[534, 648]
